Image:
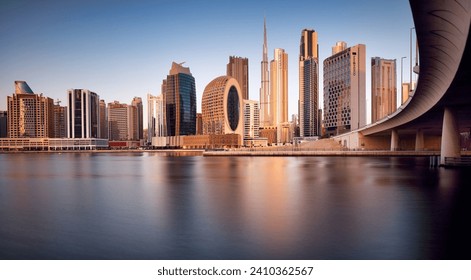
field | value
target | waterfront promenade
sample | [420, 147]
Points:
[318, 153]
[324, 147]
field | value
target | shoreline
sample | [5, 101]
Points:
[175, 151]
[245, 153]
[324, 153]
[197, 152]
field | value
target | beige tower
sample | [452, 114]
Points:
[60, 121]
[118, 121]
[339, 46]
[383, 88]
[279, 90]
[139, 115]
[29, 115]
[103, 120]
[265, 99]
[251, 119]
[405, 92]
[222, 108]
[238, 68]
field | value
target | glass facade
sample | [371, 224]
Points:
[337, 87]
[84, 112]
[233, 108]
[309, 120]
[77, 114]
[21, 87]
[94, 115]
[3, 124]
[181, 105]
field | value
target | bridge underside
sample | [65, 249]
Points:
[440, 108]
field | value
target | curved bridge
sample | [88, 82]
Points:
[440, 107]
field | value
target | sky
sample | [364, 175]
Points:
[122, 49]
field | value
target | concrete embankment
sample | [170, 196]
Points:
[320, 153]
[173, 152]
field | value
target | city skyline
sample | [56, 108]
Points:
[123, 50]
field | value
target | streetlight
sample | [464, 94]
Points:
[402, 87]
[411, 87]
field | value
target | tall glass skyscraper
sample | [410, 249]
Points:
[308, 84]
[83, 118]
[3, 124]
[180, 101]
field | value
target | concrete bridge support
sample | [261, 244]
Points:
[450, 146]
[394, 140]
[419, 140]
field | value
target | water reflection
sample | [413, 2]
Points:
[155, 206]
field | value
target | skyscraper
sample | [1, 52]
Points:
[238, 68]
[308, 84]
[156, 116]
[137, 103]
[83, 114]
[60, 121]
[3, 124]
[251, 119]
[103, 120]
[180, 101]
[118, 121]
[265, 113]
[383, 88]
[29, 114]
[279, 90]
[222, 108]
[344, 89]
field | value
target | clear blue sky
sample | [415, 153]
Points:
[121, 49]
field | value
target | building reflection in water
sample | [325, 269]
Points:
[155, 206]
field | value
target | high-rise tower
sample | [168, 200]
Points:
[180, 101]
[120, 121]
[308, 84]
[137, 102]
[103, 120]
[279, 90]
[265, 114]
[383, 88]
[29, 114]
[3, 124]
[238, 68]
[83, 117]
[344, 89]
[156, 116]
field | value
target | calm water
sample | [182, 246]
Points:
[151, 206]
